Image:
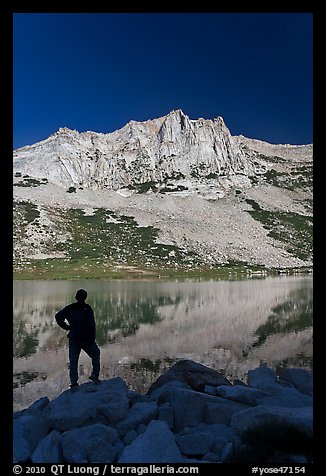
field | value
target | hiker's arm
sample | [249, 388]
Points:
[91, 325]
[60, 317]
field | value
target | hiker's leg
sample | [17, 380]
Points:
[74, 351]
[93, 352]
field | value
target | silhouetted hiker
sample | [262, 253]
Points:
[82, 333]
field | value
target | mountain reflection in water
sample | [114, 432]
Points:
[145, 326]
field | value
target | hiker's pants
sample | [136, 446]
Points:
[91, 349]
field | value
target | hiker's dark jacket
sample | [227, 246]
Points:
[81, 321]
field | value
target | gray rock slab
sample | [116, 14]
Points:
[139, 413]
[215, 429]
[196, 443]
[189, 407]
[300, 379]
[75, 409]
[220, 433]
[255, 375]
[299, 416]
[141, 428]
[39, 404]
[93, 443]
[210, 390]
[28, 430]
[192, 408]
[263, 378]
[129, 437]
[166, 413]
[49, 449]
[156, 445]
[211, 458]
[218, 445]
[115, 409]
[163, 393]
[118, 446]
[135, 397]
[226, 451]
[222, 411]
[286, 397]
[19, 413]
[241, 393]
[102, 452]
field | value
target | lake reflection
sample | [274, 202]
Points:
[144, 326]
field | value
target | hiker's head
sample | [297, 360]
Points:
[81, 295]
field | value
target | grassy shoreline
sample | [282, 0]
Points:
[79, 270]
[108, 245]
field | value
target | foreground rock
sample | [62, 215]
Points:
[193, 374]
[107, 403]
[156, 445]
[191, 413]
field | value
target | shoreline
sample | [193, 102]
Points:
[142, 274]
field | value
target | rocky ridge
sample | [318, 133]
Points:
[138, 153]
[170, 147]
[215, 198]
[190, 414]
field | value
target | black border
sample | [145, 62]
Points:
[6, 229]
[98, 6]
[7, 10]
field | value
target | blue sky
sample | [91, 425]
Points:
[90, 71]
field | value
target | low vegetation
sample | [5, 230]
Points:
[292, 229]
[107, 245]
[20, 379]
[29, 182]
[300, 177]
[272, 442]
[24, 213]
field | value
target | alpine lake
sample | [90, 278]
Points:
[144, 326]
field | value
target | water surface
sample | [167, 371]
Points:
[145, 326]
